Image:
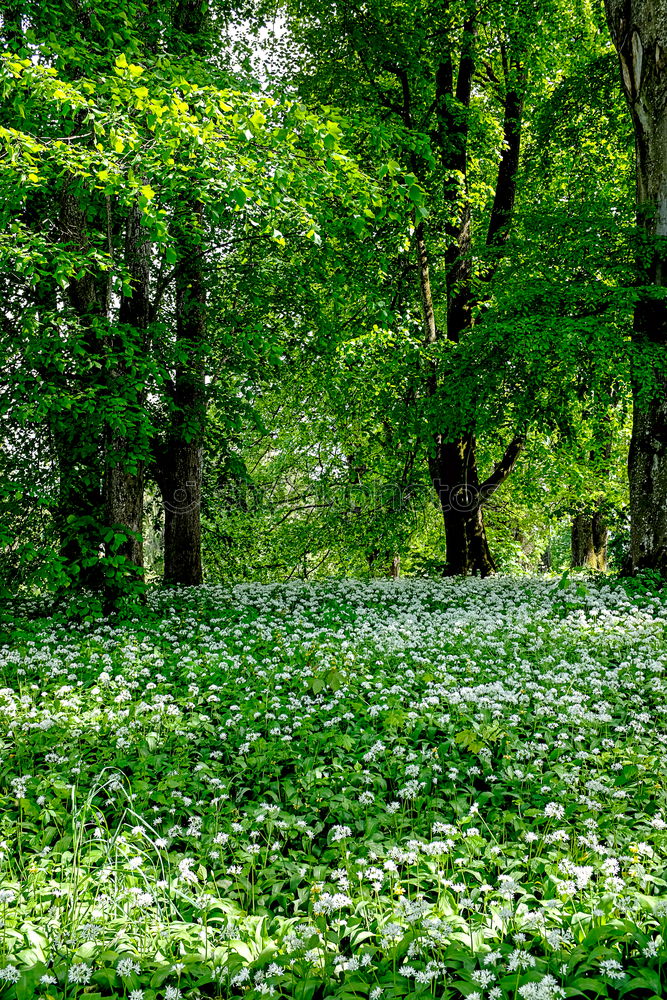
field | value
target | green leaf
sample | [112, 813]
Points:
[647, 979]
[27, 984]
[305, 989]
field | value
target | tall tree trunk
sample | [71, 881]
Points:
[125, 447]
[77, 432]
[181, 465]
[180, 460]
[453, 466]
[455, 477]
[639, 32]
[462, 497]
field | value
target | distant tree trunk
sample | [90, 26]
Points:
[589, 532]
[545, 562]
[600, 539]
[589, 537]
[124, 458]
[639, 32]
[181, 466]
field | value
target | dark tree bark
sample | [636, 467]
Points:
[455, 477]
[77, 434]
[124, 457]
[181, 460]
[462, 498]
[582, 551]
[505, 193]
[639, 32]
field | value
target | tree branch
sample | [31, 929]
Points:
[402, 77]
[505, 193]
[503, 468]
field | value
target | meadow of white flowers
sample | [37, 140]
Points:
[357, 790]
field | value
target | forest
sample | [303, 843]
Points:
[328, 291]
[333, 499]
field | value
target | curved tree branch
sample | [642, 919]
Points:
[503, 468]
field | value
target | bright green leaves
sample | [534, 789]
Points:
[331, 136]
[152, 136]
[257, 118]
[240, 196]
[122, 67]
[416, 195]
[391, 167]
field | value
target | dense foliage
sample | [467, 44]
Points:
[313, 289]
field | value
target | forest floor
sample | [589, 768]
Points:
[385, 789]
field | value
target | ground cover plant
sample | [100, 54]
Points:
[395, 789]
